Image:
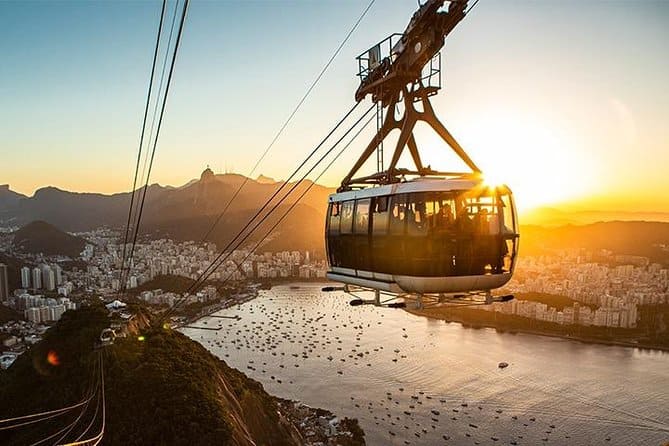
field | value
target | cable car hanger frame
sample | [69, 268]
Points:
[399, 78]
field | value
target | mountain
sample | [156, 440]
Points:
[184, 213]
[8, 197]
[9, 200]
[164, 390]
[639, 238]
[42, 237]
[188, 212]
[265, 180]
[545, 216]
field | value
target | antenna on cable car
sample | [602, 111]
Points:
[406, 68]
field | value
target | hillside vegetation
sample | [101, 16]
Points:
[165, 390]
[42, 237]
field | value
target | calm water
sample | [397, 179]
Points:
[410, 380]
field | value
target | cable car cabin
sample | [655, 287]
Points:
[423, 236]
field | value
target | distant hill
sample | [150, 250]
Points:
[42, 237]
[8, 197]
[167, 283]
[167, 390]
[9, 201]
[187, 213]
[552, 217]
[183, 213]
[622, 237]
[265, 180]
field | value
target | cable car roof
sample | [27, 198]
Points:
[415, 185]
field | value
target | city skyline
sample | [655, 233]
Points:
[566, 127]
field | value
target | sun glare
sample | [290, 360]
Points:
[52, 358]
[539, 163]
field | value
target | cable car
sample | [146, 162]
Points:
[417, 231]
[424, 236]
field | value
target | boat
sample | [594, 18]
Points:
[503, 365]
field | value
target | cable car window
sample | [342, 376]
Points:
[507, 212]
[481, 213]
[380, 216]
[416, 215]
[362, 216]
[441, 212]
[398, 214]
[333, 225]
[346, 222]
[381, 204]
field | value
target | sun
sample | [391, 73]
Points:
[539, 162]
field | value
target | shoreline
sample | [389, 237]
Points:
[583, 339]
[463, 321]
[314, 425]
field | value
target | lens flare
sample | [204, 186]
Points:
[52, 358]
[141, 338]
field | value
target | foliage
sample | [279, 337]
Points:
[166, 282]
[162, 390]
[42, 237]
[8, 314]
[33, 384]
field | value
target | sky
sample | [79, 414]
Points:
[567, 102]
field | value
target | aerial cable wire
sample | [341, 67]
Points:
[160, 121]
[54, 413]
[46, 415]
[218, 262]
[288, 120]
[141, 138]
[285, 214]
[125, 272]
[160, 87]
[97, 438]
[471, 7]
[65, 430]
[85, 402]
[260, 211]
[94, 391]
[93, 419]
[307, 189]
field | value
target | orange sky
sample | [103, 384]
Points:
[565, 102]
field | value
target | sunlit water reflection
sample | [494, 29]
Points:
[410, 380]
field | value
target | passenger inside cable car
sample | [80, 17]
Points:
[428, 234]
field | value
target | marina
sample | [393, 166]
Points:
[411, 380]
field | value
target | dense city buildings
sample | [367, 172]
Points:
[25, 277]
[607, 288]
[604, 289]
[37, 278]
[187, 259]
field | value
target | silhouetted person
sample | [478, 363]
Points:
[444, 220]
